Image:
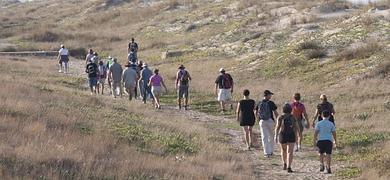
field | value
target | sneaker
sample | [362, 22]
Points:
[60, 71]
[186, 108]
[289, 170]
[284, 166]
[322, 168]
[328, 171]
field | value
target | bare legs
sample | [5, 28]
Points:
[248, 136]
[287, 153]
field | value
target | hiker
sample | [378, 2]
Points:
[108, 66]
[129, 78]
[224, 89]
[95, 58]
[115, 74]
[63, 57]
[265, 111]
[183, 79]
[89, 56]
[102, 75]
[133, 46]
[145, 75]
[246, 117]
[299, 113]
[286, 132]
[156, 81]
[92, 70]
[324, 106]
[325, 139]
[132, 57]
[139, 83]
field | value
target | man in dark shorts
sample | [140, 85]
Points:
[133, 46]
[325, 133]
[92, 70]
[183, 79]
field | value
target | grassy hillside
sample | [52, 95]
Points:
[315, 47]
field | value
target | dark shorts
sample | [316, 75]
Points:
[287, 138]
[64, 59]
[325, 147]
[92, 81]
[183, 91]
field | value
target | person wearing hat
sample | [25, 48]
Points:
[325, 105]
[299, 113]
[286, 132]
[63, 57]
[89, 56]
[145, 75]
[129, 79]
[95, 58]
[266, 112]
[183, 79]
[115, 73]
[224, 88]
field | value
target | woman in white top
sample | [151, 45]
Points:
[63, 57]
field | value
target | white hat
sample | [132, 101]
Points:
[144, 65]
[221, 70]
[109, 57]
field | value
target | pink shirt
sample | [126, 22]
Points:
[156, 80]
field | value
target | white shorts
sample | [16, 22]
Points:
[224, 95]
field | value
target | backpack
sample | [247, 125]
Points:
[91, 70]
[296, 110]
[287, 124]
[132, 58]
[265, 112]
[184, 78]
[226, 81]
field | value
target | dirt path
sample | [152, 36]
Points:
[305, 164]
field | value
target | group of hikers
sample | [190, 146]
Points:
[285, 129]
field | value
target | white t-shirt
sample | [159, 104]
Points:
[64, 52]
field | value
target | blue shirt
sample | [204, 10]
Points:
[146, 73]
[325, 128]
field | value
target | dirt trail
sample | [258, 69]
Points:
[305, 164]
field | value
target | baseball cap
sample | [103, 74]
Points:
[268, 92]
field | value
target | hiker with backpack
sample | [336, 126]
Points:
[299, 113]
[183, 79]
[157, 82]
[224, 88]
[89, 56]
[92, 70]
[325, 140]
[139, 83]
[115, 73]
[325, 105]
[63, 59]
[266, 111]
[145, 75]
[129, 78]
[132, 56]
[246, 116]
[102, 75]
[286, 132]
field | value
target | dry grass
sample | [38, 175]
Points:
[51, 128]
[359, 51]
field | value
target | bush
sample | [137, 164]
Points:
[78, 53]
[315, 53]
[359, 52]
[382, 70]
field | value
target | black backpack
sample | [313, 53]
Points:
[91, 69]
[264, 111]
[226, 81]
[287, 124]
[184, 78]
